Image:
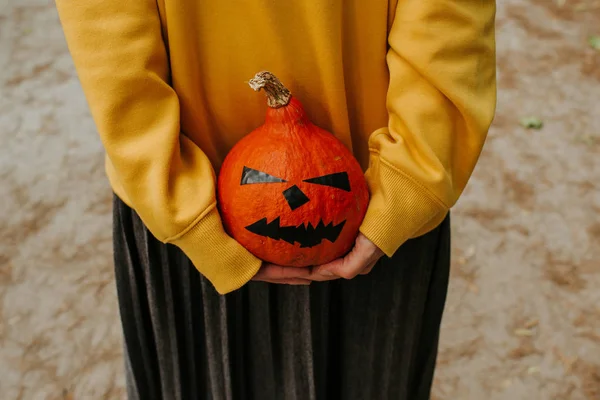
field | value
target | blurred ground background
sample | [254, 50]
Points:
[523, 314]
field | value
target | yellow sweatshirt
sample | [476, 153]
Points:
[408, 85]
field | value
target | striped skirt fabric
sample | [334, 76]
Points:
[374, 337]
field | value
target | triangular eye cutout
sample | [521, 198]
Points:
[338, 180]
[250, 176]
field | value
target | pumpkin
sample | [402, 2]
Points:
[290, 192]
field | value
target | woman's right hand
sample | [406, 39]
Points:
[283, 275]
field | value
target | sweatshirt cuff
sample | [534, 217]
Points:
[216, 255]
[400, 207]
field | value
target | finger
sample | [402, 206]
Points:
[277, 272]
[369, 268]
[323, 276]
[347, 267]
[351, 269]
[326, 272]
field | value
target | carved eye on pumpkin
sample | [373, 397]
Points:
[294, 196]
[338, 180]
[250, 176]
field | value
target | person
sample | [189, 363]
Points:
[408, 85]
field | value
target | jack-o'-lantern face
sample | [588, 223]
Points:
[306, 234]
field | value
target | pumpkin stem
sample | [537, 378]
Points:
[277, 94]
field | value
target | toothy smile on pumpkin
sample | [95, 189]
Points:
[291, 192]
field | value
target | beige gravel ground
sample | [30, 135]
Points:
[523, 314]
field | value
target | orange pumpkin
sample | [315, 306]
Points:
[289, 191]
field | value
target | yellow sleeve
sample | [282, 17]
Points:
[122, 64]
[441, 101]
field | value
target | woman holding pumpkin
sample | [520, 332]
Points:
[407, 85]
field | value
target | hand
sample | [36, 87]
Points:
[283, 275]
[360, 260]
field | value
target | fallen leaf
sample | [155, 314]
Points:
[594, 41]
[470, 252]
[523, 332]
[531, 123]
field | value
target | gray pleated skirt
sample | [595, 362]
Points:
[371, 338]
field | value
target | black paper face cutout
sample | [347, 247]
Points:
[250, 176]
[295, 197]
[306, 235]
[338, 180]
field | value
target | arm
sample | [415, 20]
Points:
[441, 102]
[122, 64]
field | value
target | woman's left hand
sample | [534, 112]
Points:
[360, 261]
